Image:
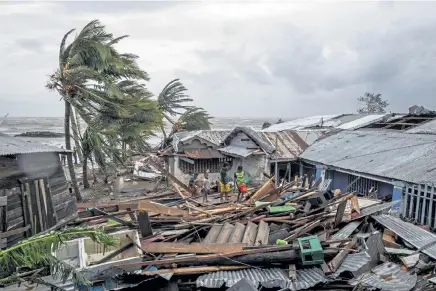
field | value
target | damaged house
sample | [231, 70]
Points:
[196, 151]
[391, 158]
[34, 194]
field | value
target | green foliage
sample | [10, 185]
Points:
[173, 98]
[37, 253]
[373, 103]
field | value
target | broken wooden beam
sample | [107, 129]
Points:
[198, 248]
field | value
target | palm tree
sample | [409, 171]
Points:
[89, 68]
[36, 254]
[172, 101]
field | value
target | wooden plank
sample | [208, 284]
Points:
[144, 224]
[262, 234]
[250, 234]
[194, 270]
[213, 234]
[389, 239]
[304, 229]
[153, 207]
[43, 199]
[14, 232]
[197, 248]
[28, 205]
[3, 201]
[237, 234]
[52, 217]
[3, 214]
[225, 233]
[337, 261]
[25, 207]
[340, 212]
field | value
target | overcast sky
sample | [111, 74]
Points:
[259, 59]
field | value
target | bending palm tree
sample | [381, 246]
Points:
[86, 79]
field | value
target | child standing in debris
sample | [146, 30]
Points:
[192, 186]
[224, 182]
[240, 182]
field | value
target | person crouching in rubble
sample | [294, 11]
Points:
[240, 183]
[224, 182]
[192, 186]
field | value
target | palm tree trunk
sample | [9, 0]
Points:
[76, 133]
[69, 155]
[85, 172]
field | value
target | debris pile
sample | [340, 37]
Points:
[284, 237]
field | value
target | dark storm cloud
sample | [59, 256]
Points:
[295, 60]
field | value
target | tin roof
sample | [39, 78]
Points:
[424, 128]
[300, 123]
[254, 135]
[268, 278]
[203, 154]
[288, 144]
[413, 234]
[13, 146]
[387, 276]
[215, 137]
[395, 155]
[237, 151]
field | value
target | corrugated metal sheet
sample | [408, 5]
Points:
[387, 276]
[300, 123]
[354, 263]
[237, 151]
[203, 154]
[362, 121]
[268, 278]
[215, 137]
[346, 231]
[12, 146]
[395, 155]
[413, 234]
[375, 208]
[425, 128]
[288, 144]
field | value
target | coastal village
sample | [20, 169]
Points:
[328, 202]
[335, 202]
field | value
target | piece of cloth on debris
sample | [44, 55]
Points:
[387, 277]
[268, 278]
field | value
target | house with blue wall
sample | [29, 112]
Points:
[397, 161]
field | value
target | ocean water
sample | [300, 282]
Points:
[17, 125]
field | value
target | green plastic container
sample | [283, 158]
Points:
[277, 209]
[311, 250]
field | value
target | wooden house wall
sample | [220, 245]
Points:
[34, 196]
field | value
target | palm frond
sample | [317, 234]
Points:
[173, 97]
[37, 252]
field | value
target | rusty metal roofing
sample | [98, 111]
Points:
[387, 276]
[268, 278]
[288, 144]
[13, 146]
[395, 155]
[203, 154]
[413, 234]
